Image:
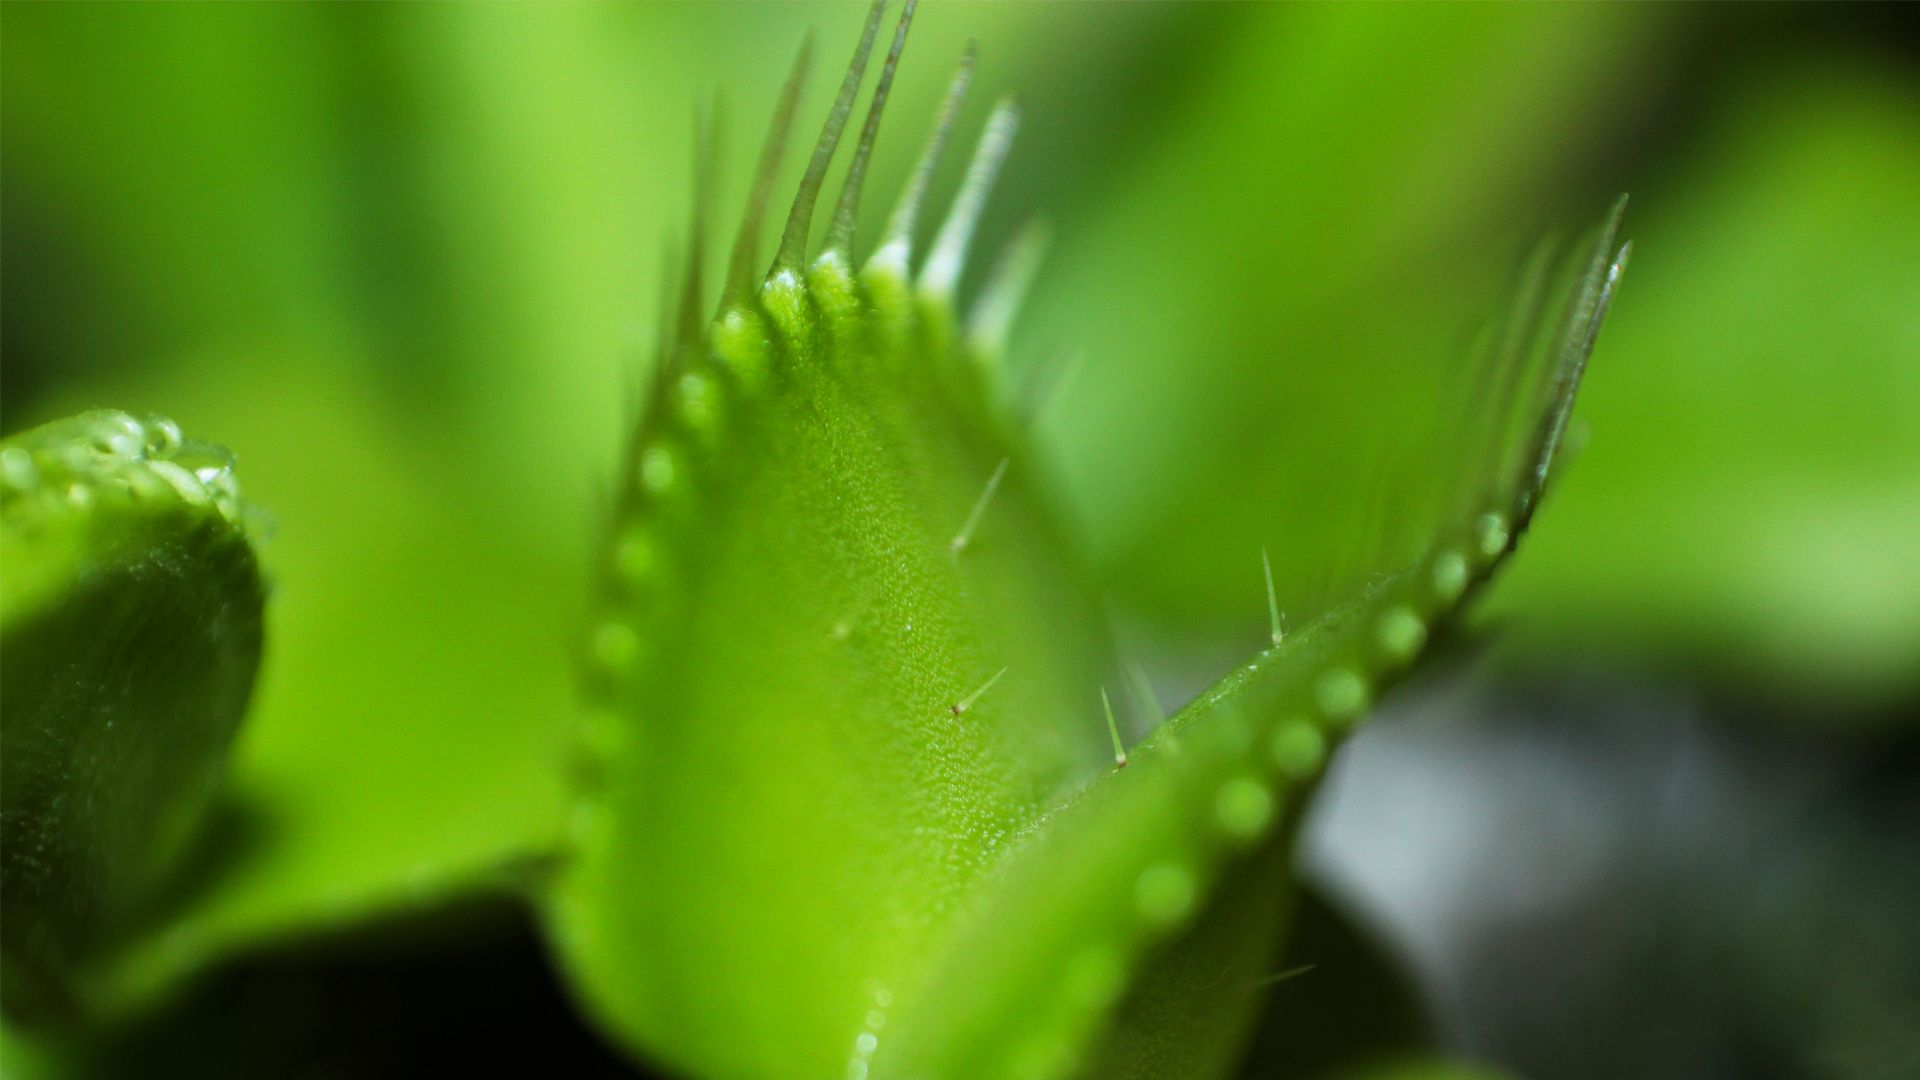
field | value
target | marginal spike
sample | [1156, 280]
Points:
[1572, 371]
[896, 244]
[1144, 698]
[1048, 397]
[1497, 377]
[1279, 977]
[1113, 729]
[1584, 317]
[965, 536]
[840, 233]
[966, 703]
[949, 253]
[663, 337]
[651, 387]
[1006, 288]
[705, 166]
[793, 242]
[1273, 603]
[740, 267]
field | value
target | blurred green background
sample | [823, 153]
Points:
[404, 260]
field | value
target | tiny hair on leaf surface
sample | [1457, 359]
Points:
[846, 788]
[130, 633]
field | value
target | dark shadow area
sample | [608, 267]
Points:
[1595, 879]
[470, 994]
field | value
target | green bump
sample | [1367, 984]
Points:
[1450, 576]
[616, 646]
[1341, 694]
[17, 472]
[1298, 748]
[699, 403]
[1493, 534]
[831, 286]
[634, 558]
[658, 469]
[785, 300]
[1402, 634]
[163, 437]
[1244, 808]
[740, 340]
[1164, 893]
[603, 734]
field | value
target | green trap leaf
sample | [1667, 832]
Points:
[131, 613]
[849, 798]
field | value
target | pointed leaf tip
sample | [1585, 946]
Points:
[705, 166]
[991, 321]
[840, 234]
[793, 241]
[949, 255]
[896, 247]
[740, 265]
[1585, 315]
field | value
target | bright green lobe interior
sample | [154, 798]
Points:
[785, 807]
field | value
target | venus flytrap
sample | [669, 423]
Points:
[131, 623]
[843, 802]
[843, 810]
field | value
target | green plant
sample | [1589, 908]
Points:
[849, 794]
[132, 625]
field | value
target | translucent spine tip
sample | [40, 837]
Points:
[1495, 387]
[1576, 344]
[793, 241]
[840, 233]
[896, 245]
[1572, 370]
[965, 536]
[740, 266]
[965, 703]
[948, 256]
[992, 318]
[1273, 602]
[1144, 698]
[1113, 730]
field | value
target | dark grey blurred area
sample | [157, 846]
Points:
[1590, 879]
